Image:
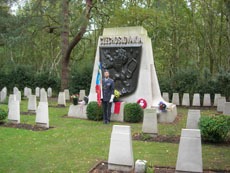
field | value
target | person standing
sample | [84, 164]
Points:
[107, 96]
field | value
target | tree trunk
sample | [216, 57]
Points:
[65, 44]
[73, 43]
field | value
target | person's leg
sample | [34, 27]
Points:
[109, 111]
[104, 105]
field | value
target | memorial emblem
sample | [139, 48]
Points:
[123, 63]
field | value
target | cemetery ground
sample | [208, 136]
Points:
[76, 145]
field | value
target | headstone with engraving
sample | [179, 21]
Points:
[220, 104]
[150, 122]
[32, 103]
[67, 96]
[43, 95]
[121, 158]
[61, 99]
[189, 158]
[217, 96]
[42, 115]
[49, 90]
[12, 97]
[207, 100]
[176, 99]
[14, 112]
[196, 99]
[193, 119]
[166, 96]
[186, 100]
[18, 96]
[37, 91]
[227, 108]
[81, 94]
[15, 90]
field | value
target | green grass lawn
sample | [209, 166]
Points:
[76, 145]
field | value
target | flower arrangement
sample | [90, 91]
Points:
[162, 107]
[116, 94]
[75, 99]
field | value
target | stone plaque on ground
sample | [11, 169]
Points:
[14, 112]
[217, 96]
[42, 115]
[193, 119]
[207, 100]
[81, 94]
[220, 104]
[61, 99]
[176, 99]
[227, 108]
[150, 122]
[196, 99]
[186, 100]
[32, 103]
[67, 96]
[189, 157]
[121, 150]
[166, 96]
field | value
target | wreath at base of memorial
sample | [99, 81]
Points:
[142, 103]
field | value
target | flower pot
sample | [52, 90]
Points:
[75, 101]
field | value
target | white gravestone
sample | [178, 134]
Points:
[15, 90]
[121, 150]
[29, 92]
[147, 83]
[186, 100]
[32, 103]
[189, 157]
[49, 90]
[3, 96]
[37, 91]
[196, 100]
[81, 94]
[227, 108]
[12, 97]
[61, 99]
[217, 96]
[166, 96]
[150, 122]
[78, 111]
[14, 112]
[176, 99]
[220, 104]
[193, 119]
[25, 92]
[42, 115]
[67, 96]
[18, 96]
[207, 100]
[43, 95]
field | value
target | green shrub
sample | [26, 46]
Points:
[214, 129]
[92, 111]
[3, 114]
[133, 112]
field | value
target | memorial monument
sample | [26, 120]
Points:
[127, 54]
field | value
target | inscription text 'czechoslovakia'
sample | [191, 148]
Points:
[120, 40]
